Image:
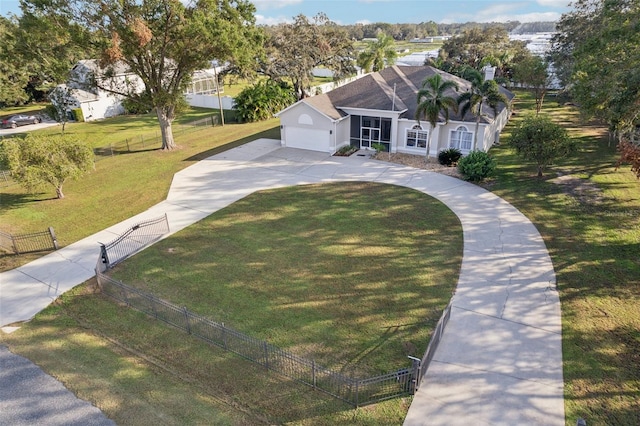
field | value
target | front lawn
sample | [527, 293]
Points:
[352, 275]
[587, 212]
[121, 186]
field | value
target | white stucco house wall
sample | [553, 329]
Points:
[98, 104]
[380, 108]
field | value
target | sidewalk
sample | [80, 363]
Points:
[500, 358]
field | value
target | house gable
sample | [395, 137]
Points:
[392, 94]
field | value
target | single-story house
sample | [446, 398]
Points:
[380, 108]
[97, 104]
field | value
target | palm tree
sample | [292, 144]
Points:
[379, 54]
[432, 101]
[481, 93]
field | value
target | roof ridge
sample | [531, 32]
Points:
[382, 83]
[404, 78]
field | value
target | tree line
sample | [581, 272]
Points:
[164, 41]
[407, 32]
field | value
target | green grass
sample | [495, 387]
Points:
[593, 240]
[353, 275]
[120, 186]
[592, 231]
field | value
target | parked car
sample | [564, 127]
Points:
[20, 120]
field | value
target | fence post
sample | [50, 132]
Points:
[357, 400]
[224, 337]
[415, 374]
[127, 142]
[186, 318]
[313, 373]
[104, 256]
[266, 354]
[15, 246]
[153, 306]
[54, 240]
[99, 279]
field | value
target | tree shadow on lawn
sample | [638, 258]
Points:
[597, 369]
[14, 201]
[312, 276]
[110, 152]
[262, 395]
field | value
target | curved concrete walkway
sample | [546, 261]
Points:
[500, 359]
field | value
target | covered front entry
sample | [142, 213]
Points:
[305, 138]
[367, 131]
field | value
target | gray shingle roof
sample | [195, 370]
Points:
[375, 91]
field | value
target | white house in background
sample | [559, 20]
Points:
[380, 108]
[98, 104]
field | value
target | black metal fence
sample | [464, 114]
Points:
[28, 243]
[433, 344]
[5, 179]
[134, 239]
[356, 392]
[152, 140]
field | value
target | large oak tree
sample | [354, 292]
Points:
[13, 80]
[474, 45]
[295, 49]
[162, 42]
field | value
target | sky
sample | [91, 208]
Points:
[394, 11]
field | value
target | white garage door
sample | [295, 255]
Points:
[312, 139]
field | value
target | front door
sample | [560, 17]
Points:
[369, 136]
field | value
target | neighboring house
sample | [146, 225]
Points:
[96, 103]
[380, 108]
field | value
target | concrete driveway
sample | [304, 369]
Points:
[500, 358]
[46, 122]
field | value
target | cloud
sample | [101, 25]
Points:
[535, 17]
[488, 13]
[272, 20]
[504, 12]
[554, 3]
[274, 4]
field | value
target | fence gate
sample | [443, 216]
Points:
[28, 243]
[134, 239]
[422, 365]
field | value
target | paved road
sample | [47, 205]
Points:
[29, 127]
[30, 397]
[500, 359]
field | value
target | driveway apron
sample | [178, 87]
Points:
[500, 358]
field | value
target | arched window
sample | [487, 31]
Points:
[416, 137]
[461, 138]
